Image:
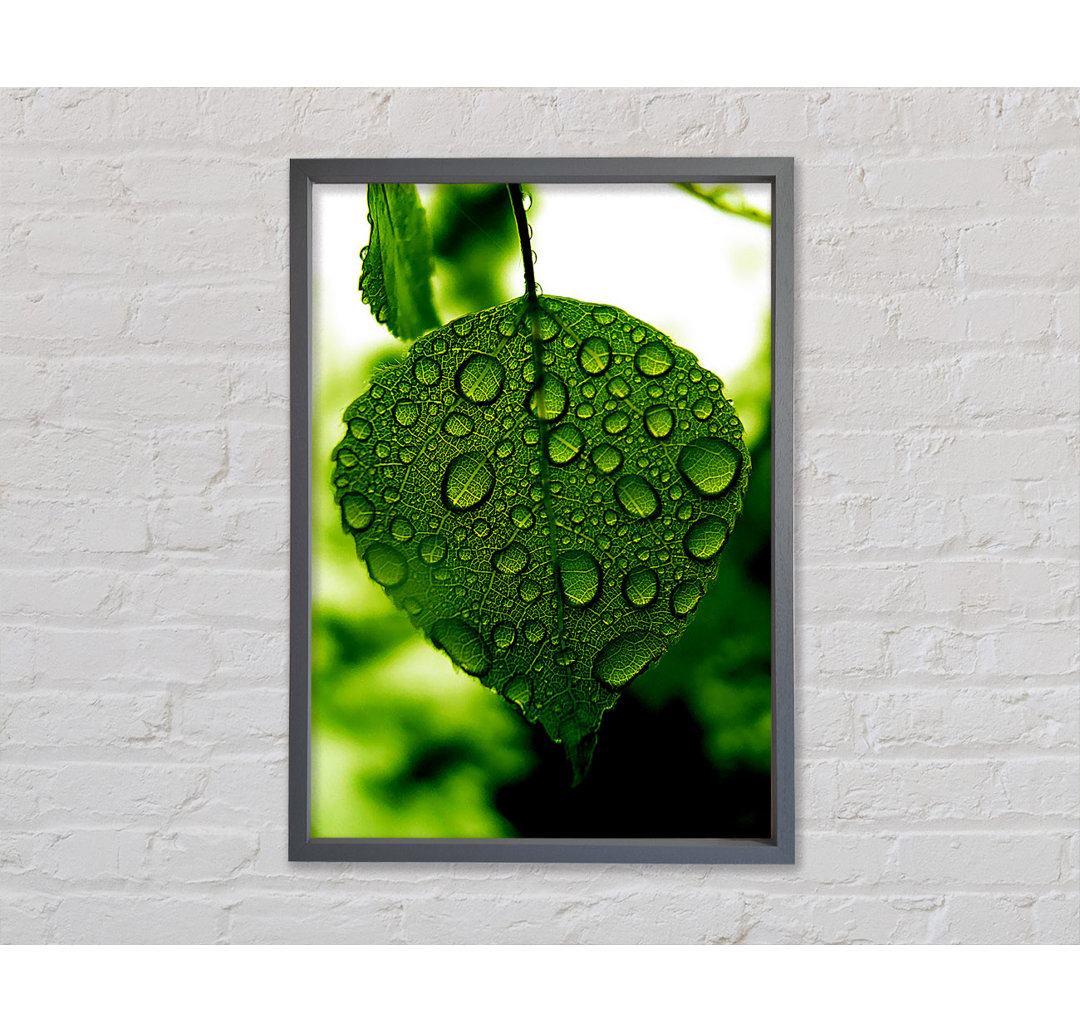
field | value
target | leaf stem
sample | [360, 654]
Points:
[518, 203]
[579, 756]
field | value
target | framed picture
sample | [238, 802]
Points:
[541, 510]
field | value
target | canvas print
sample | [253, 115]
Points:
[540, 510]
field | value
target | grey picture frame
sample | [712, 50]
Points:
[777, 171]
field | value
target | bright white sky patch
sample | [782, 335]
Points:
[699, 275]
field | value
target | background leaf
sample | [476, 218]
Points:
[554, 534]
[395, 279]
[727, 197]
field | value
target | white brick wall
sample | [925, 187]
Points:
[145, 522]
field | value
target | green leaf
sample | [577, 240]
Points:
[395, 278]
[552, 533]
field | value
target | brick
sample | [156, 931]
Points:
[957, 859]
[66, 115]
[186, 461]
[190, 523]
[257, 388]
[316, 918]
[985, 918]
[210, 594]
[258, 452]
[1054, 176]
[119, 790]
[29, 389]
[833, 918]
[335, 123]
[225, 317]
[894, 254]
[241, 718]
[70, 317]
[439, 123]
[103, 918]
[249, 655]
[925, 791]
[1011, 519]
[938, 652]
[147, 391]
[862, 119]
[67, 593]
[78, 460]
[187, 182]
[697, 127]
[990, 253]
[250, 791]
[1042, 788]
[156, 654]
[27, 918]
[975, 458]
[974, 121]
[1057, 918]
[949, 720]
[1035, 651]
[776, 117]
[945, 183]
[84, 716]
[47, 527]
[77, 182]
[1017, 389]
[1006, 316]
[117, 243]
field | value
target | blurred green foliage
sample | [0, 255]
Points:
[474, 239]
[403, 745]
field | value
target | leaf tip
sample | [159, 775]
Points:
[580, 753]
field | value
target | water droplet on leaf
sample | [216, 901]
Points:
[710, 465]
[432, 549]
[616, 422]
[706, 538]
[401, 529]
[386, 565]
[653, 359]
[579, 577]
[468, 482]
[606, 458]
[426, 371]
[360, 429]
[594, 356]
[640, 586]
[659, 421]
[625, 657]
[458, 425]
[564, 444]
[637, 496]
[522, 517]
[406, 413]
[358, 511]
[511, 560]
[548, 400]
[684, 597]
[480, 379]
[462, 643]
